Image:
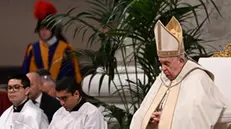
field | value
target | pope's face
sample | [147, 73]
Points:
[68, 100]
[171, 66]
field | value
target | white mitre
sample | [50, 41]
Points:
[169, 39]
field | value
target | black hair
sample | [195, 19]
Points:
[70, 85]
[25, 81]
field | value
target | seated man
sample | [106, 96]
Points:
[47, 103]
[23, 114]
[76, 113]
[48, 83]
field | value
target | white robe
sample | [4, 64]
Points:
[87, 117]
[30, 117]
[199, 104]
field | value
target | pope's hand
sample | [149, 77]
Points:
[155, 118]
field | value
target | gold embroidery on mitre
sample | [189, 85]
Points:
[175, 29]
[225, 53]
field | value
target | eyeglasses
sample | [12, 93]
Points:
[14, 88]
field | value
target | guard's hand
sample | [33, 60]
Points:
[155, 118]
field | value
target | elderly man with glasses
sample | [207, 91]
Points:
[48, 83]
[23, 114]
[41, 99]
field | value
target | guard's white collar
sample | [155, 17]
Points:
[51, 41]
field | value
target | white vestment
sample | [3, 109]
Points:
[30, 117]
[199, 103]
[87, 117]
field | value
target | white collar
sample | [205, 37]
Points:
[38, 99]
[51, 41]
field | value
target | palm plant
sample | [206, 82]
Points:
[133, 20]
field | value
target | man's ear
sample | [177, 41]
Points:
[76, 93]
[181, 60]
[27, 91]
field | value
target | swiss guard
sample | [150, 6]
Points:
[52, 48]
